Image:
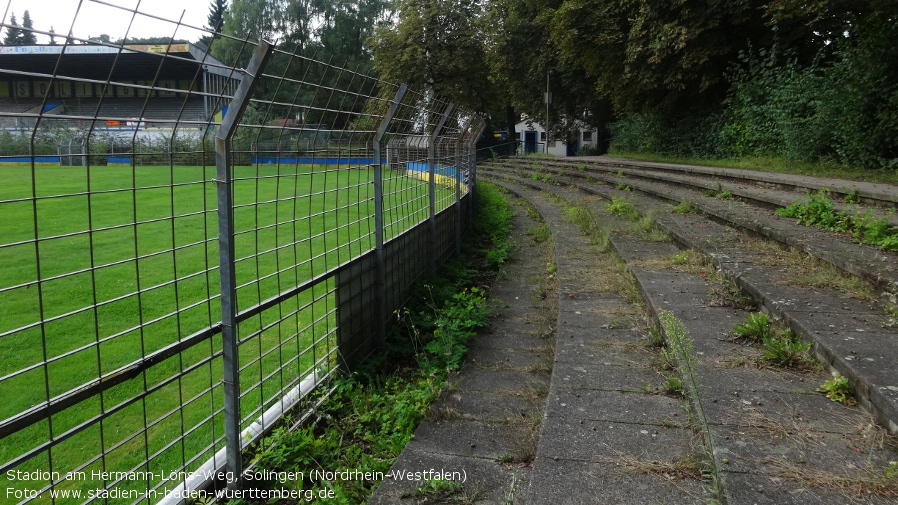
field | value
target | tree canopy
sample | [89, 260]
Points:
[680, 66]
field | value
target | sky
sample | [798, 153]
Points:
[96, 17]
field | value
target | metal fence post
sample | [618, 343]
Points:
[472, 167]
[226, 257]
[458, 174]
[431, 161]
[381, 283]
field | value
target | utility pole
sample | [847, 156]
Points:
[548, 101]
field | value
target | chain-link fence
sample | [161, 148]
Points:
[189, 246]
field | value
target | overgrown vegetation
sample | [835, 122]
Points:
[622, 208]
[371, 414]
[835, 107]
[756, 329]
[782, 347]
[817, 210]
[838, 389]
[681, 348]
[684, 207]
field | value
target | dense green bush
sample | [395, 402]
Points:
[772, 107]
[688, 136]
[841, 106]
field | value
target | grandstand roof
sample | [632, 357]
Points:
[95, 61]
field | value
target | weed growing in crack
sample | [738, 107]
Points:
[623, 187]
[523, 452]
[682, 347]
[724, 195]
[444, 413]
[891, 318]
[512, 488]
[691, 261]
[666, 360]
[725, 293]
[585, 219]
[648, 228]
[817, 210]
[673, 386]
[681, 258]
[529, 210]
[656, 337]
[540, 233]
[713, 192]
[852, 197]
[756, 329]
[438, 489]
[838, 389]
[684, 207]
[785, 349]
[622, 208]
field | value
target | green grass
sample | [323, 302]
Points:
[150, 270]
[778, 165]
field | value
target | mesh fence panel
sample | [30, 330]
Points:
[188, 247]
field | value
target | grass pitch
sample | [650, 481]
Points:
[127, 264]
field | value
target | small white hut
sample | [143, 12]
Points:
[532, 139]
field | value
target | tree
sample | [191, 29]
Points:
[27, 38]
[345, 27]
[250, 19]
[653, 55]
[13, 32]
[215, 19]
[437, 45]
[510, 34]
[522, 54]
[216, 15]
[150, 41]
[104, 38]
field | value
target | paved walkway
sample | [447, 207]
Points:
[486, 424]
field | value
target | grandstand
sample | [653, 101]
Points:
[130, 88]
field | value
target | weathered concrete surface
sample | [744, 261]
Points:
[483, 424]
[605, 437]
[776, 439]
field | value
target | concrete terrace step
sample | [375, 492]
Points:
[483, 428]
[759, 191]
[605, 437]
[877, 266]
[853, 337]
[776, 440]
[879, 193]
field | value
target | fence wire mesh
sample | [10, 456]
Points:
[193, 238]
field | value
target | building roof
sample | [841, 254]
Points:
[97, 62]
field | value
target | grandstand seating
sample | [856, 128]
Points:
[159, 112]
[16, 106]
